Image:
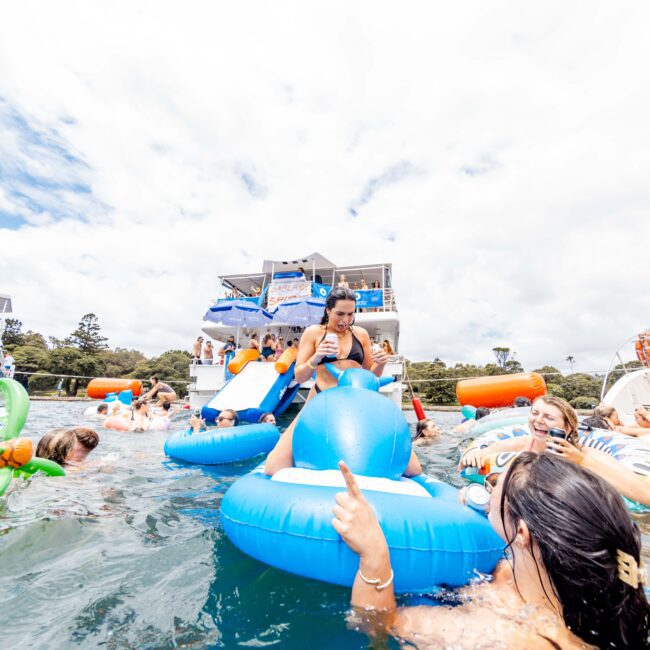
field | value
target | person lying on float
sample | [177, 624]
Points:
[338, 341]
[550, 412]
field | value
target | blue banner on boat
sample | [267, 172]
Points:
[320, 290]
[254, 299]
[370, 298]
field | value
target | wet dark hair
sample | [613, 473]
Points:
[481, 412]
[57, 444]
[596, 422]
[420, 427]
[102, 408]
[521, 401]
[334, 296]
[577, 522]
[166, 406]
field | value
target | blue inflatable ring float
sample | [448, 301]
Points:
[216, 446]
[286, 521]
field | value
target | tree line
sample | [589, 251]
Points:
[434, 381]
[85, 352]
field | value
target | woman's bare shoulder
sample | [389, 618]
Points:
[313, 331]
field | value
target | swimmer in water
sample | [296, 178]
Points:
[572, 578]
[267, 418]
[67, 446]
[425, 431]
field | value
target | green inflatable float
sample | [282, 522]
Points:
[16, 454]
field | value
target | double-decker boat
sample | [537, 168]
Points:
[288, 281]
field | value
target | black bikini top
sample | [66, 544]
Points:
[355, 354]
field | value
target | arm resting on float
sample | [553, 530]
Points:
[413, 468]
[616, 474]
[633, 431]
[281, 455]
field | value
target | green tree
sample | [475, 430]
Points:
[12, 337]
[87, 336]
[42, 381]
[120, 362]
[30, 359]
[35, 339]
[60, 343]
[172, 366]
[551, 375]
[502, 355]
[71, 361]
[513, 366]
[581, 385]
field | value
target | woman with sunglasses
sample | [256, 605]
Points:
[551, 592]
[553, 413]
[337, 340]
[227, 418]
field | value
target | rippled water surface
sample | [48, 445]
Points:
[130, 553]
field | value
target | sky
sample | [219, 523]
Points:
[496, 153]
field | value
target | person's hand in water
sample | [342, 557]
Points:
[355, 521]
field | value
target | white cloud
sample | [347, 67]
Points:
[496, 153]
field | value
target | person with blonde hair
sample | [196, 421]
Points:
[553, 413]
[387, 347]
[67, 446]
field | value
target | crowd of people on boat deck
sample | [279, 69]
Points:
[271, 348]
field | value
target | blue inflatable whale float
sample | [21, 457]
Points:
[285, 521]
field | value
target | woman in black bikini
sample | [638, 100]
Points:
[350, 349]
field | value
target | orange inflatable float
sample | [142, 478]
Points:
[500, 390]
[16, 452]
[241, 359]
[642, 347]
[286, 359]
[100, 387]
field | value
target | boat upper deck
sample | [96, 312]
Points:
[313, 275]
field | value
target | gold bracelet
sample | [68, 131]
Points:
[376, 581]
[309, 364]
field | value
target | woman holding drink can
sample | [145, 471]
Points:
[336, 340]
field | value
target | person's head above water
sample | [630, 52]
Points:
[67, 445]
[569, 531]
[521, 401]
[426, 429]
[102, 409]
[267, 418]
[609, 413]
[481, 412]
[227, 418]
[550, 412]
[141, 406]
[166, 406]
[339, 309]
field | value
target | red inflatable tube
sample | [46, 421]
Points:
[100, 387]
[500, 390]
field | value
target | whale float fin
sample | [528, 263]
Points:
[383, 381]
[333, 370]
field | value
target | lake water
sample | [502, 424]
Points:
[130, 553]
